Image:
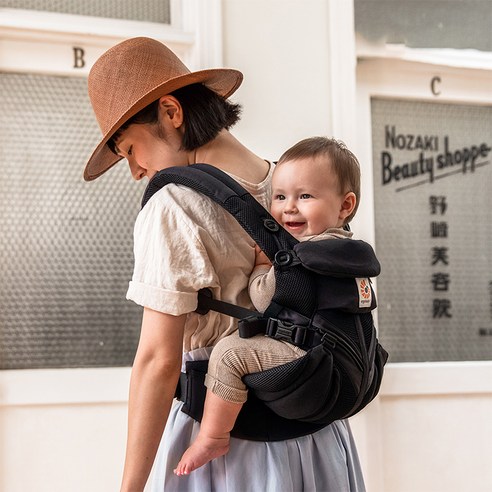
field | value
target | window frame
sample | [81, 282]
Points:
[45, 42]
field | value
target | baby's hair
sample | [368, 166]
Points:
[345, 164]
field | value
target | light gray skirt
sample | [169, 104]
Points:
[326, 461]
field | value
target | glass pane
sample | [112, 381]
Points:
[461, 24]
[433, 206]
[143, 10]
[65, 245]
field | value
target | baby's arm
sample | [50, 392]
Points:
[262, 281]
[261, 258]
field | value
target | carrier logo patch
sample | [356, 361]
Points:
[365, 294]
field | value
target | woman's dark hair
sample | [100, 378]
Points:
[205, 114]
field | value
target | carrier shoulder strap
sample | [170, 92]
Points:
[249, 213]
[229, 194]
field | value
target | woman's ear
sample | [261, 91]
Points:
[348, 205]
[171, 109]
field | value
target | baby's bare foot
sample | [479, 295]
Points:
[203, 450]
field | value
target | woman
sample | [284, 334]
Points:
[156, 114]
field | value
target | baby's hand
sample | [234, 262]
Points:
[261, 258]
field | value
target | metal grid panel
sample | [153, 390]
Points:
[142, 10]
[65, 245]
[433, 229]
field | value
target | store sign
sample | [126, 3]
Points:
[433, 206]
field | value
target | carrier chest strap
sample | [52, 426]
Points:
[301, 336]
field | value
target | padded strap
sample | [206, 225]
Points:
[254, 219]
[228, 193]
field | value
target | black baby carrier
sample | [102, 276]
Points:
[322, 303]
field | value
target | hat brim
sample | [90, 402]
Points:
[223, 81]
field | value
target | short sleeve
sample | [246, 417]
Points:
[171, 260]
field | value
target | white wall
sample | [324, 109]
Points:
[283, 49]
[62, 430]
[429, 430]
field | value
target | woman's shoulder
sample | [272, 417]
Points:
[253, 188]
[180, 211]
[262, 191]
[177, 201]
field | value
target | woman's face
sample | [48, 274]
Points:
[149, 148]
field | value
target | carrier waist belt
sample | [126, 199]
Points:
[255, 422]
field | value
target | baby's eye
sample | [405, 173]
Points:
[305, 196]
[279, 197]
[130, 150]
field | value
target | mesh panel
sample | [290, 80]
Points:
[143, 10]
[345, 322]
[367, 327]
[348, 393]
[276, 378]
[65, 245]
[296, 288]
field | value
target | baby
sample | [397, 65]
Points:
[315, 192]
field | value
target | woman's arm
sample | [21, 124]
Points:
[153, 382]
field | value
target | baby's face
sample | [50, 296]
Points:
[306, 199]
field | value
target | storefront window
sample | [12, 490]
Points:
[65, 245]
[433, 223]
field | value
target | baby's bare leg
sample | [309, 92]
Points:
[213, 438]
[231, 359]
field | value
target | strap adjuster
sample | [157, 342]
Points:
[251, 326]
[328, 340]
[279, 330]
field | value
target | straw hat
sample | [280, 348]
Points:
[130, 76]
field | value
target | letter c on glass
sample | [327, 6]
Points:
[434, 82]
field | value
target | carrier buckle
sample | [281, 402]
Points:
[280, 330]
